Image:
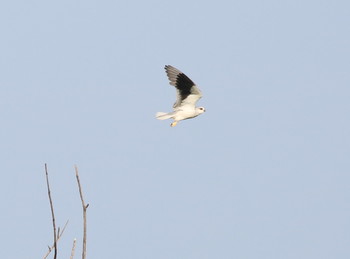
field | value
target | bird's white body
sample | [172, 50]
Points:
[187, 96]
[180, 114]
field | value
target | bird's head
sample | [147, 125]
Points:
[200, 110]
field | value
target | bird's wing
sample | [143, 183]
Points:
[187, 91]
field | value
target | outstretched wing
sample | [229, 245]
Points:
[187, 92]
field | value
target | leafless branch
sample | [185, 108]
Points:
[73, 249]
[85, 206]
[52, 213]
[59, 235]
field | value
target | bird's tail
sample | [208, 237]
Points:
[163, 115]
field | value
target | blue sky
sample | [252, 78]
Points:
[264, 173]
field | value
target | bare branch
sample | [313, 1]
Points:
[73, 248]
[84, 211]
[52, 213]
[59, 235]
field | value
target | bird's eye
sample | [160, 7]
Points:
[201, 109]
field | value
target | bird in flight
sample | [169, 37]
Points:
[187, 96]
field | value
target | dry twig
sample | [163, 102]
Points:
[73, 249]
[85, 206]
[52, 213]
[59, 235]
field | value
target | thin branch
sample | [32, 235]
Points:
[58, 238]
[52, 213]
[73, 248]
[58, 233]
[84, 211]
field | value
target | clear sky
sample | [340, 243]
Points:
[264, 173]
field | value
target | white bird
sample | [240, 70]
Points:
[187, 96]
